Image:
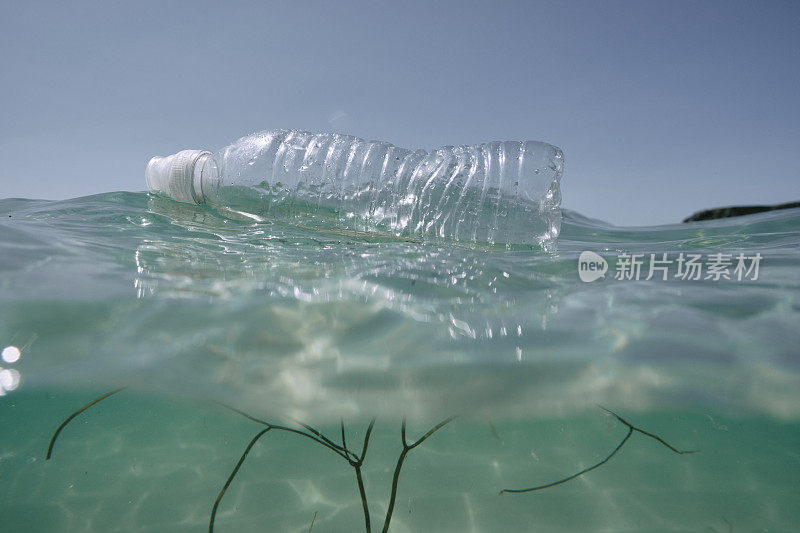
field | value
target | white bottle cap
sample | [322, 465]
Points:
[174, 176]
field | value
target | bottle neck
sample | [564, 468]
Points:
[205, 177]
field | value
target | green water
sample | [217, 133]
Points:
[189, 310]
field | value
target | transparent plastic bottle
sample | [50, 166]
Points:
[499, 192]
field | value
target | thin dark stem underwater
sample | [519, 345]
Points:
[73, 415]
[631, 429]
[354, 459]
[406, 448]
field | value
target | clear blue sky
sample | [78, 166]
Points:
[662, 108]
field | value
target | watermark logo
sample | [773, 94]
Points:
[591, 266]
[684, 266]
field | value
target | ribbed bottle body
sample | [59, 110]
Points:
[499, 192]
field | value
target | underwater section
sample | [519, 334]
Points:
[618, 348]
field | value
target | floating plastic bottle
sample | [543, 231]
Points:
[499, 192]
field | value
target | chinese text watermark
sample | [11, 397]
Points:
[683, 266]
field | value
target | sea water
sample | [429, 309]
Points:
[204, 319]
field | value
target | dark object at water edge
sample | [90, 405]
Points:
[736, 211]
